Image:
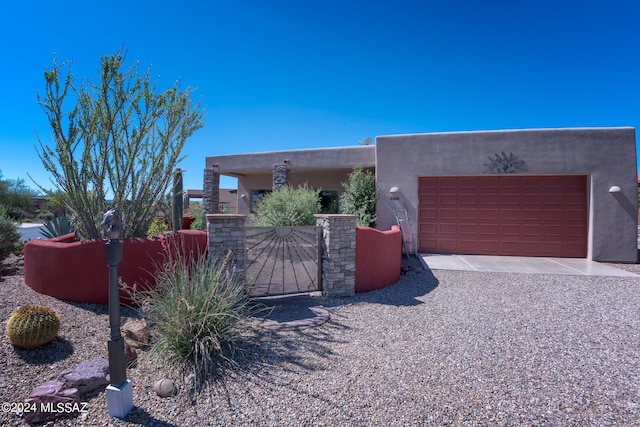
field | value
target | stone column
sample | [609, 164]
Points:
[211, 191]
[338, 254]
[226, 233]
[280, 176]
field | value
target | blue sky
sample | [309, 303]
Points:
[276, 75]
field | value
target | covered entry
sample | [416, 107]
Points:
[523, 215]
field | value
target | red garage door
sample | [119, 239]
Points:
[503, 215]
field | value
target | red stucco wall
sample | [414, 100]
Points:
[77, 271]
[378, 258]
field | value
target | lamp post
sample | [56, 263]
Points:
[119, 392]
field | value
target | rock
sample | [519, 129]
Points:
[165, 388]
[87, 376]
[136, 333]
[130, 355]
[47, 399]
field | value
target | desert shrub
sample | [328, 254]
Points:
[288, 206]
[360, 197]
[58, 226]
[200, 311]
[157, 227]
[196, 211]
[119, 138]
[9, 237]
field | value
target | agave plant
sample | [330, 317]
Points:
[59, 226]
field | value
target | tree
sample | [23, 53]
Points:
[360, 197]
[117, 139]
[16, 198]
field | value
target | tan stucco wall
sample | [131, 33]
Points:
[606, 155]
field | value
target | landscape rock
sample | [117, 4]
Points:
[87, 376]
[136, 333]
[46, 401]
[130, 355]
[165, 388]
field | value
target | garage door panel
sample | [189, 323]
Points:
[516, 215]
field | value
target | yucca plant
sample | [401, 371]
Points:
[58, 226]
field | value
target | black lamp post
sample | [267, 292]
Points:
[119, 394]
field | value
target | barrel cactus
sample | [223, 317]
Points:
[32, 326]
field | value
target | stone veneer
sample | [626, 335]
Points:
[211, 191]
[338, 254]
[226, 232]
[280, 176]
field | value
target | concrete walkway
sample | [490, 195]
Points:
[516, 264]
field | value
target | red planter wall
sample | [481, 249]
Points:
[378, 258]
[77, 271]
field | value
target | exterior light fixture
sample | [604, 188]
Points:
[243, 196]
[394, 190]
[614, 189]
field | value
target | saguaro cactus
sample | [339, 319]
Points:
[32, 326]
[177, 204]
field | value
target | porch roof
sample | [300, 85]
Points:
[307, 159]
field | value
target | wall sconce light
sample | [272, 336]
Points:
[394, 190]
[614, 189]
[243, 196]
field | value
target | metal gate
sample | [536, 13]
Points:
[283, 260]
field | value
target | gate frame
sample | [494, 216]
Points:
[226, 233]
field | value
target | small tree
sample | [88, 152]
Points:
[360, 197]
[16, 197]
[117, 139]
[288, 206]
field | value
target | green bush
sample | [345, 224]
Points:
[9, 237]
[196, 211]
[288, 206]
[200, 313]
[157, 227]
[360, 197]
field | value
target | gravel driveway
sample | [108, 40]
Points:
[438, 348]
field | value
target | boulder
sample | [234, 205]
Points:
[51, 400]
[136, 333]
[87, 376]
[165, 388]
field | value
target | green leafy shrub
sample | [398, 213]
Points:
[58, 226]
[288, 206]
[157, 227]
[196, 211]
[9, 237]
[200, 313]
[360, 197]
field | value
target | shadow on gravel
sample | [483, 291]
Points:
[141, 417]
[56, 350]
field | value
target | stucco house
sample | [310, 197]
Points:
[540, 192]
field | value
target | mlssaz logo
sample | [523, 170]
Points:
[505, 163]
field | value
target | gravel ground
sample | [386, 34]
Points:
[437, 348]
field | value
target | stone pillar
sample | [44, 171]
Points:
[338, 254]
[226, 233]
[280, 176]
[211, 191]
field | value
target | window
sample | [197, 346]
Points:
[256, 195]
[329, 201]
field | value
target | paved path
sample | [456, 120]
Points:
[516, 264]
